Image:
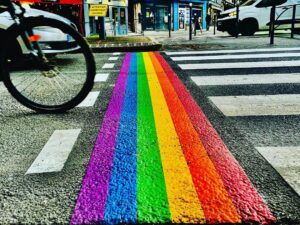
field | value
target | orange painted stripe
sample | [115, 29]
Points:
[249, 204]
[216, 202]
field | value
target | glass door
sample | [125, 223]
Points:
[149, 18]
[161, 18]
[119, 18]
[123, 23]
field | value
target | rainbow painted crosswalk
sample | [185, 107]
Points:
[157, 159]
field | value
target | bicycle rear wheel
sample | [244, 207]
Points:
[70, 78]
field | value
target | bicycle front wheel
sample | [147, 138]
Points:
[71, 72]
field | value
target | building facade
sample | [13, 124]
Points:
[116, 20]
[153, 14]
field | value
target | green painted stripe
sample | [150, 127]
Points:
[152, 196]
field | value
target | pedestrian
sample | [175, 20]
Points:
[199, 22]
[208, 20]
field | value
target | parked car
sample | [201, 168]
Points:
[52, 40]
[253, 17]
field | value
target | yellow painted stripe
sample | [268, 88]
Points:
[184, 204]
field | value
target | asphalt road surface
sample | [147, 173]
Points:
[141, 150]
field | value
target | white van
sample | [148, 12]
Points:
[253, 18]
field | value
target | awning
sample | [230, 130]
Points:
[67, 2]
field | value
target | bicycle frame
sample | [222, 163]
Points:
[28, 37]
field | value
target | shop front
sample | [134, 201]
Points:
[155, 15]
[199, 12]
[116, 20]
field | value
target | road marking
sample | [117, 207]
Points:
[90, 99]
[108, 66]
[117, 53]
[101, 77]
[247, 56]
[198, 159]
[286, 160]
[232, 51]
[151, 190]
[258, 105]
[90, 204]
[284, 78]
[227, 166]
[55, 153]
[121, 204]
[105, 180]
[184, 204]
[113, 58]
[237, 65]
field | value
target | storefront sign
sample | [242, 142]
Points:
[98, 10]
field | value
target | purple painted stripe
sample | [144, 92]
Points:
[91, 201]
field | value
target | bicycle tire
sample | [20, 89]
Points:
[62, 103]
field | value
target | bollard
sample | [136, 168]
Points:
[215, 18]
[237, 19]
[272, 20]
[293, 21]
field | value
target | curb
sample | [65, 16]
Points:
[128, 47]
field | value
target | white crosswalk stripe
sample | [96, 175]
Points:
[286, 160]
[101, 77]
[239, 65]
[247, 79]
[219, 73]
[256, 88]
[246, 56]
[55, 153]
[258, 105]
[231, 51]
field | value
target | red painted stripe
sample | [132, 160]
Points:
[215, 201]
[248, 202]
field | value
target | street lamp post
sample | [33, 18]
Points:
[190, 5]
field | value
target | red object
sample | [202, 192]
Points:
[34, 38]
[63, 2]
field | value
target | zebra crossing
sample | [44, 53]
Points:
[252, 83]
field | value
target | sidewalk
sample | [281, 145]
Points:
[130, 43]
[160, 40]
[221, 40]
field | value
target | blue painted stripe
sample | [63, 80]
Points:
[121, 205]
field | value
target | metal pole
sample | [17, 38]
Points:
[101, 28]
[215, 18]
[272, 20]
[237, 20]
[195, 24]
[190, 22]
[293, 21]
[142, 24]
[169, 24]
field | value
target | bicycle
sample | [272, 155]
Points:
[46, 76]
